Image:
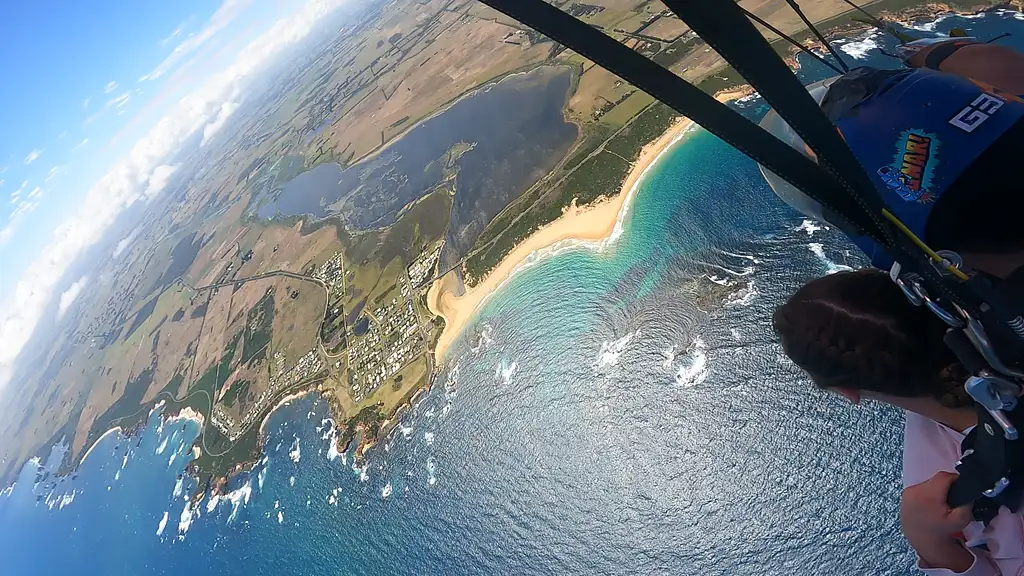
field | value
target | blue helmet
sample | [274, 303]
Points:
[917, 133]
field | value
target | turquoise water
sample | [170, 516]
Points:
[601, 423]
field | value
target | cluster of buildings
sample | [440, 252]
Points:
[423, 268]
[331, 273]
[388, 345]
[310, 363]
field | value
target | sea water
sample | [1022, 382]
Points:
[602, 423]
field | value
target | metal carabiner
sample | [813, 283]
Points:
[894, 275]
[943, 314]
[995, 394]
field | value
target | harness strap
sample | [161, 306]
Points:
[792, 166]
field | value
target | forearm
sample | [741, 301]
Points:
[947, 553]
[996, 65]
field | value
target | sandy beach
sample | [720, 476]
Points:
[597, 221]
[98, 440]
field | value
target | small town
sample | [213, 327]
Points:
[422, 269]
[309, 364]
[392, 340]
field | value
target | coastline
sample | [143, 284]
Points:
[97, 443]
[600, 221]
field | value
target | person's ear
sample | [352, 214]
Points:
[851, 394]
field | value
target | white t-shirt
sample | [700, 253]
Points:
[929, 448]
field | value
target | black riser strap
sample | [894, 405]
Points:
[790, 165]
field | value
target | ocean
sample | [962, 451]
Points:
[605, 416]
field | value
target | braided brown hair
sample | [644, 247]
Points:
[857, 330]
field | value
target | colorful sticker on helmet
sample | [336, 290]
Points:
[910, 174]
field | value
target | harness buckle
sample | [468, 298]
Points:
[995, 394]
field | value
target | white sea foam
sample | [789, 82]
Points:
[170, 461]
[484, 341]
[163, 524]
[124, 462]
[720, 281]
[750, 257]
[163, 446]
[830, 266]
[744, 100]
[859, 49]
[428, 437]
[695, 370]
[431, 469]
[295, 453]
[735, 333]
[931, 25]
[179, 486]
[670, 355]
[809, 226]
[260, 476]
[277, 504]
[185, 520]
[610, 351]
[406, 431]
[211, 504]
[386, 491]
[508, 371]
[68, 498]
[117, 475]
[332, 448]
[280, 517]
[238, 497]
[742, 297]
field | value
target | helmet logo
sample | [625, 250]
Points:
[910, 174]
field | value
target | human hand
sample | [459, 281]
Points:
[929, 524]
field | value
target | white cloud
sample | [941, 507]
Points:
[17, 193]
[52, 173]
[124, 243]
[158, 180]
[69, 296]
[80, 144]
[5, 235]
[62, 135]
[177, 32]
[110, 87]
[120, 101]
[35, 193]
[143, 170]
[3, 169]
[32, 156]
[85, 103]
[217, 22]
[23, 208]
[226, 110]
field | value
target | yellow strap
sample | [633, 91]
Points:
[924, 247]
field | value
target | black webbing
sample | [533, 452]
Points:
[789, 39]
[817, 34]
[724, 27]
[819, 184]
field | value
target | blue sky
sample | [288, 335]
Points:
[77, 98]
[65, 61]
[98, 96]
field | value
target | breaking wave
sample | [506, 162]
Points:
[611, 350]
[694, 370]
[830, 266]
